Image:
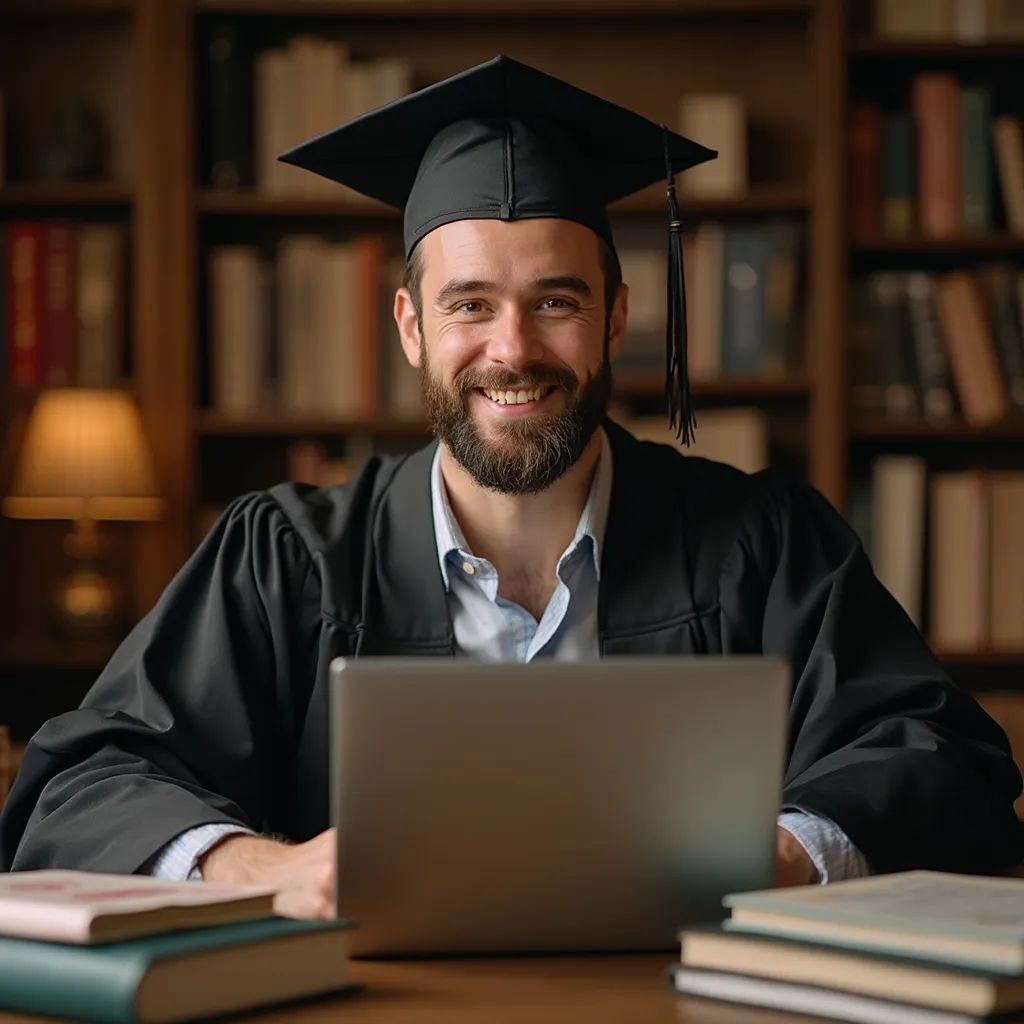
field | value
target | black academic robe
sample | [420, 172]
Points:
[214, 709]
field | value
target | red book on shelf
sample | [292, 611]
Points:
[58, 303]
[935, 99]
[865, 149]
[25, 303]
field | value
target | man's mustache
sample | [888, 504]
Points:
[502, 379]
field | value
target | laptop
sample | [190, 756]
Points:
[551, 806]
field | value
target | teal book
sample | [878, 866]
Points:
[976, 158]
[178, 976]
[899, 174]
[962, 920]
[745, 252]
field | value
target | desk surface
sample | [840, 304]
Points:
[597, 990]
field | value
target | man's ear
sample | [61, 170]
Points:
[408, 326]
[617, 320]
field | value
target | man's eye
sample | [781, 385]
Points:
[557, 302]
[470, 306]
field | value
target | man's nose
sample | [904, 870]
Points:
[514, 340]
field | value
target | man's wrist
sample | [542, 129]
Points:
[238, 859]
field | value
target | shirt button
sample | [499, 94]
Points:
[467, 568]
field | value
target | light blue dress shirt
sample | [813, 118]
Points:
[490, 628]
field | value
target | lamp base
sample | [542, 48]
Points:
[87, 603]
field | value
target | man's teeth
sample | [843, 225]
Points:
[514, 397]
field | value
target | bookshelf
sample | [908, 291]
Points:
[796, 62]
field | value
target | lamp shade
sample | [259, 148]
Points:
[84, 455]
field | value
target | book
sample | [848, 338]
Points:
[899, 491]
[25, 297]
[935, 384]
[228, 149]
[912, 20]
[744, 258]
[100, 304]
[782, 349]
[1008, 140]
[935, 100]
[899, 174]
[1006, 572]
[978, 377]
[976, 158]
[998, 288]
[813, 1000]
[882, 977]
[963, 920]
[89, 907]
[187, 975]
[239, 330]
[719, 120]
[704, 301]
[890, 320]
[864, 143]
[58, 303]
[959, 561]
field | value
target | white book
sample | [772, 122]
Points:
[86, 907]
[239, 331]
[274, 128]
[340, 332]
[899, 492]
[300, 266]
[718, 121]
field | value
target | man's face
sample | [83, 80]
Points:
[515, 346]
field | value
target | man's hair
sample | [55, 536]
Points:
[413, 280]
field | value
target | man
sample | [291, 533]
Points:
[535, 528]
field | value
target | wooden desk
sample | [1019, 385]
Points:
[595, 990]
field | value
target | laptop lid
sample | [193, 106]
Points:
[551, 806]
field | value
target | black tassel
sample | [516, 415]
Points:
[677, 382]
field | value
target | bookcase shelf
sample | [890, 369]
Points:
[1001, 244]
[880, 429]
[883, 49]
[649, 385]
[482, 8]
[66, 8]
[64, 194]
[983, 659]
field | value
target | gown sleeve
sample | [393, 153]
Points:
[193, 720]
[881, 740]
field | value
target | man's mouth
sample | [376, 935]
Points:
[520, 397]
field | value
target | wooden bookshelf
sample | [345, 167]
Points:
[863, 429]
[867, 48]
[86, 194]
[213, 425]
[995, 245]
[753, 389]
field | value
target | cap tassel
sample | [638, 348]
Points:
[677, 382]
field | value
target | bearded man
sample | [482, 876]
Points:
[531, 528]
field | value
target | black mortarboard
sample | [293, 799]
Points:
[505, 141]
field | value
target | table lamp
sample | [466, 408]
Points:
[84, 458]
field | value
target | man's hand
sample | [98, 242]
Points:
[303, 874]
[792, 865]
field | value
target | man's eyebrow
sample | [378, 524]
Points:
[566, 282]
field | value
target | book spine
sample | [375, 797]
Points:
[997, 284]
[1007, 564]
[25, 303]
[1008, 138]
[743, 300]
[899, 175]
[888, 291]
[100, 302]
[58, 308]
[936, 386]
[229, 124]
[865, 152]
[58, 980]
[370, 255]
[782, 348]
[976, 158]
[936, 105]
[912, 20]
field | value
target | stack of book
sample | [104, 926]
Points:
[129, 948]
[918, 947]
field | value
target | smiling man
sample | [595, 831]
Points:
[531, 528]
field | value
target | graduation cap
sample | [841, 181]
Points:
[505, 141]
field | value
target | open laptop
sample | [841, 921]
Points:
[551, 806]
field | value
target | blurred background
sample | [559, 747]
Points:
[184, 320]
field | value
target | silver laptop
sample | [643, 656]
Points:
[552, 806]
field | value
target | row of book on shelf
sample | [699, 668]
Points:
[265, 102]
[938, 345]
[961, 21]
[62, 303]
[308, 328]
[939, 166]
[913, 947]
[949, 547]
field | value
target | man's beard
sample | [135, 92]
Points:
[524, 455]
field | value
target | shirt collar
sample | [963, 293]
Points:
[593, 520]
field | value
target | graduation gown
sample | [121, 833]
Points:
[214, 708]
